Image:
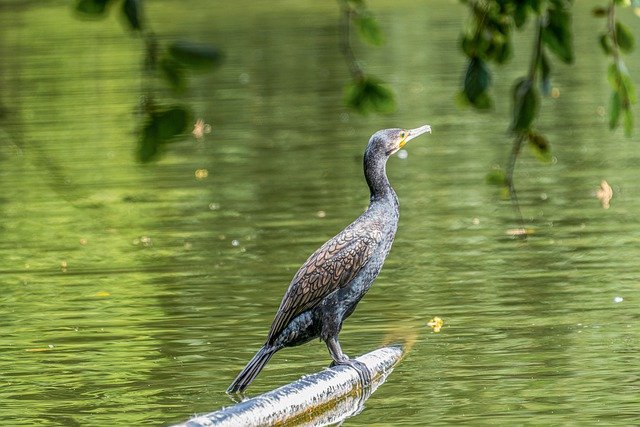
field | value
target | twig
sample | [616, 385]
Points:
[520, 136]
[345, 41]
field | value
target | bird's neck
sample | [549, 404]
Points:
[376, 176]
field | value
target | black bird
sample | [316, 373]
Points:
[329, 285]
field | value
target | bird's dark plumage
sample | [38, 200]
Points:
[329, 285]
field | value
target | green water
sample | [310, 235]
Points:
[132, 294]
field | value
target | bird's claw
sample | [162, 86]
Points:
[361, 368]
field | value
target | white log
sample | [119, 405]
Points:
[325, 397]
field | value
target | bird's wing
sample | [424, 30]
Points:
[332, 266]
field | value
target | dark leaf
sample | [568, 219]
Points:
[526, 101]
[160, 128]
[369, 95]
[614, 110]
[132, 10]
[520, 14]
[468, 45]
[599, 11]
[535, 5]
[149, 144]
[556, 35]
[173, 73]
[605, 44]
[476, 84]
[368, 28]
[92, 8]
[540, 145]
[503, 52]
[195, 55]
[171, 122]
[624, 37]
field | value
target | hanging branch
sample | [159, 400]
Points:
[525, 109]
[345, 42]
[616, 40]
[365, 93]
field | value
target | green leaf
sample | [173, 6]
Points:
[92, 8]
[497, 176]
[476, 83]
[605, 44]
[557, 35]
[195, 55]
[160, 128]
[171, 122]
[503, 53]
[369, 95]
[620, 81]
[540, 145]
[614, 110]
[526, 101]
[624, 37]
[468, 45]
[173, 73]
[520, 14]
[368, 28]
[132, 10]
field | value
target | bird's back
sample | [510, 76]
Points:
[336, 264]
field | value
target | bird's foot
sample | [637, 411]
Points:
[361, 368]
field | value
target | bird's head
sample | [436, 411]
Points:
[389, 141]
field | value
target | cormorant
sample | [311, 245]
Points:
[329, 285]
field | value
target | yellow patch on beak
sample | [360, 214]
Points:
[403, 142]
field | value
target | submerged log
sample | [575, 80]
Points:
[322, 398]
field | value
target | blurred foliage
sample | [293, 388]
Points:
[616, 41]
[365, 94]
[164, 121]
[368, 94]
[488, 39]
[161, 127]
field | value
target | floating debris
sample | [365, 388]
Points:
[605, 194]
[39, 349]
[102, 294]
[64, 265]
[201, 174]
[403, 154]
[321, 214]
[618, 300]
[520, 231]
[143, 240]
[436, 324]
[235, 243]
[200, 128]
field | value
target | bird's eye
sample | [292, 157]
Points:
[403, 134]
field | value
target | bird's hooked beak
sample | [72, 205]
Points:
[413, 133]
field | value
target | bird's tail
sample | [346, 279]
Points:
[252, 369]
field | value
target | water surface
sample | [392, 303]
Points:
[134, 293]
